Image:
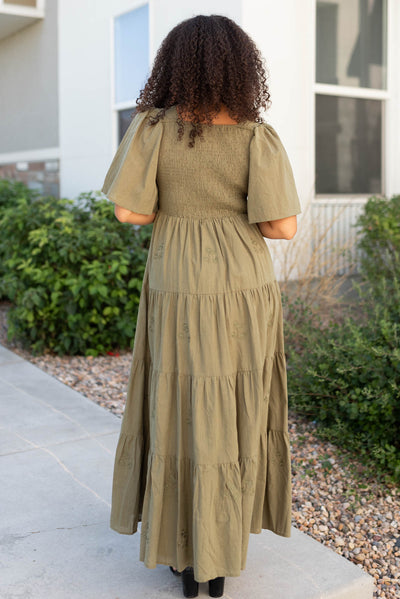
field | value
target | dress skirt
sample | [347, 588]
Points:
[203, 457]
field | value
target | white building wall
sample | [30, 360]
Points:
[285, 33]
[168, 14]
[392, 131]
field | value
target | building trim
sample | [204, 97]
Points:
[37, 12]
[124, 105]
[30, 155]
[337, 199]
[351, 92]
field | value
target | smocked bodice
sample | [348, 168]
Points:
[209, 179]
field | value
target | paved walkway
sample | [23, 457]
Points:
[56, 458]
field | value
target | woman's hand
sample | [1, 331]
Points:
[282, 228]
[134, 218]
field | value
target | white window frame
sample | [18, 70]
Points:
[356, 92]
[117, 106]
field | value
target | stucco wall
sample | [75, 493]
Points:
[29, 86]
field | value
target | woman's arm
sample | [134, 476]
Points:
[283, 228]
[127, 216]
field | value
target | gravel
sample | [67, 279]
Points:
[335, 500]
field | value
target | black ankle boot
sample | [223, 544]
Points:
[189, 584]
[216, 586]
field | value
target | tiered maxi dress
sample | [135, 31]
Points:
[203, 457]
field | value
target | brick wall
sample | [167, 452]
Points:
[40, 175]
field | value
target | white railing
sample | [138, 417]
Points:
[335, 234]
[325, 243]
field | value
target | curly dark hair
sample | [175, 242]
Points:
[205, 62]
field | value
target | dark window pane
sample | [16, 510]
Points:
[124, 120]
[348, 145]
[351, 43]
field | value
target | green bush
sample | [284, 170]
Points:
[380, 240]
[346, 375]
[10, 192]
[73, 274]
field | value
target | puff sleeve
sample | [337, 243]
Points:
[131, 179]
[272, 190]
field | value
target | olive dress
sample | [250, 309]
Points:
[203, 457]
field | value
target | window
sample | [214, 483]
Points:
[351, 83]
[131, 53]
[348, 145]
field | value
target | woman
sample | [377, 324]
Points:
[203, 457]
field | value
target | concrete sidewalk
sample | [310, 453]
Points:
[56, 459]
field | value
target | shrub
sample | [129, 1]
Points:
[344, 373]
[380, 240]
[73, 273]
[346, 377]
[10, 192]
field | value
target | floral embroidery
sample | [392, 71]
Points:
[211, 255]
[126, 461]
[159, 253]
[185, 332]
[188, 409]
[183, 542]
[256, 245]
[239, 331]
[171, 480]
[151, 323]
[146, 531]
[227, 491]
[222, 513]
[231, 494]
[248, 487]
[277, 458]
[153, 410]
